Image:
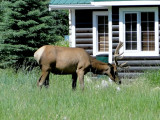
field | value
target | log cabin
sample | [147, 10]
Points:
[99, 25]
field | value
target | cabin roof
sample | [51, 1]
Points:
[97, 4]
[68, 2]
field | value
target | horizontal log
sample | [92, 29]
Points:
[115, 39]
[141, 62]
[115, 33]
[140, 69]
[140, 58]
[84, 41]
[115, 22]
[83, 30]
[115, 27]
[85, 46]
[114, 45]
[84, 35]
[89, 51]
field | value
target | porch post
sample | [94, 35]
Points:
[72, 38]
[110, 33]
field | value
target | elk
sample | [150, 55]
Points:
[74, 61]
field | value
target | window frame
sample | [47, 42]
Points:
[138, 52]
[95, 32]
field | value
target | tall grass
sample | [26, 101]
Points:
[20, 99]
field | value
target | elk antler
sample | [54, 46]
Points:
[117, 55]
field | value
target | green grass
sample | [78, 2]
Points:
[20, 99]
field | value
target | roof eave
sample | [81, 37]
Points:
[125, 3]
[76, 6]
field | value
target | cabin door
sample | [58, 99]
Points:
[100, 33]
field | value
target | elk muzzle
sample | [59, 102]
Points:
[114, 76]
[117, 80]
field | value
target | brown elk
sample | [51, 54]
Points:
[74, 61]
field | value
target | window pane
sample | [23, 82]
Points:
[147, 33]
[151, 46]
[144, 36]
[131, 31]
[100, 19]
[128, 27]
[106, 28]
[100, 28]
[106, 19]
[134, 46]
[151, 16]
[151, 36]
[134, 26]
[128, 36]
[128, 46]
[143, 16]
[128, 17]
[151, 26]
[144, 46]
[134, 36]
[134, 17]
[144, 26]
[103, 34]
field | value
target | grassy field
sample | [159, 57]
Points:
[20, 99]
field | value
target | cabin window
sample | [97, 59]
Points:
[139, 31]
[103, 34]
[100, 33]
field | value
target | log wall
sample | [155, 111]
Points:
[84, 35]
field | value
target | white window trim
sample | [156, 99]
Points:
[95, 31]
[122, 11]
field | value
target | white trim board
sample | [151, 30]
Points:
[128, 3]
[76, 6]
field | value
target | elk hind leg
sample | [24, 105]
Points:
[74, 81]
[46, 83]
[80, 74]
[44, 79]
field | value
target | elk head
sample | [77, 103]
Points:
[114, 67]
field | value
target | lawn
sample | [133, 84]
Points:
[20, 99]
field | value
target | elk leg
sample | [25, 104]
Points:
[74, 81]
[43, 78]
[46, 83]
[80, 74]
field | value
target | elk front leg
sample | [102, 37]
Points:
[74, 81]
[80, 74]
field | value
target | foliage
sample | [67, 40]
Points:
[62, 43]
[27, 25]
[21, 99]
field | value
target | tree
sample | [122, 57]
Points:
[26, 25]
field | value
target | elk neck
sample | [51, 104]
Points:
[97, 67]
